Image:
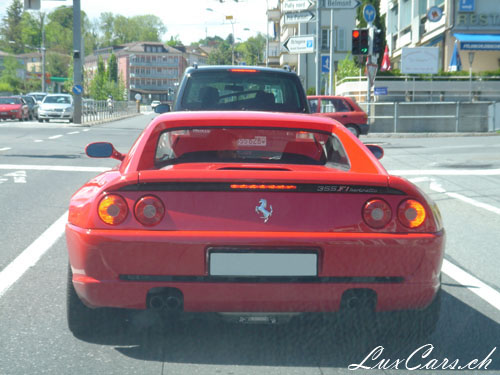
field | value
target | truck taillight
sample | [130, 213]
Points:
[112, 209]
[149, 210]
[377, 213]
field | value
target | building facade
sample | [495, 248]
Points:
[474, 25]
[150, 69]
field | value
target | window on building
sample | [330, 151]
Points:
[325, 39]
[341, 39]
[405, 14]
[393, 20]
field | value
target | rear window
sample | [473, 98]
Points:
[10, 101]
[57, 99]
[243, 90]
[250, 145]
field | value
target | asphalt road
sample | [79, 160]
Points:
[41, 165]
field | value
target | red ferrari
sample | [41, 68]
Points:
[253, 215]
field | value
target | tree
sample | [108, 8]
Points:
[347, 68]
[252, 49]
[120, 29]
[221, 55]
[112, 69]
[11, 30]
[174, 41]
[9, 73]
[97, 85]
[57, 64]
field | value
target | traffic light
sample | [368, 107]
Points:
[360, 42]
[378, 42]
[364, 42]
[355, 42]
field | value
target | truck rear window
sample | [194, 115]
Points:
[243, 90]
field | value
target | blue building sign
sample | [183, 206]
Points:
[466, 6]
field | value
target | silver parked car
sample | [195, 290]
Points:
[56, 106]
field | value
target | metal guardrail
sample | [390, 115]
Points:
[424, 88]
[99, 110]
[440, 117]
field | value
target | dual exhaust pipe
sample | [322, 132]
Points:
[168, 300]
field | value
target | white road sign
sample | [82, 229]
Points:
[299, 17]
[341, 4]
[300, 44]
[296, 5]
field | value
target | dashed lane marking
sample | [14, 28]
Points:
[73, 133]
[5, 148]
[56, 136]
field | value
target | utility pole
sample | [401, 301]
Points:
[77, 62]
[42, 50]
[318, 47]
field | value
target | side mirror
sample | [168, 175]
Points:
[103, 150]
[376, 150]
[162, 108]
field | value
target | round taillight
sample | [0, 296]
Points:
[149, 210]
[411, 213]
[377, 213]
[113, 209]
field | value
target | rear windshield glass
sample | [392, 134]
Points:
[10, 101]
[250, 145]
[231, 90]
[57, 99]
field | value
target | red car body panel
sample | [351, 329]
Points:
[21, 111]
[117, 265]
[350, 113]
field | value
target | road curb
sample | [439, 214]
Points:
[428, 135]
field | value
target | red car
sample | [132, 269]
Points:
[343, 109]
[14, 108]
[254, 215]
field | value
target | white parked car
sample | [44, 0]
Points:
[155, 103]
[56, 106]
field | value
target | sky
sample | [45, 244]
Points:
[190, 20]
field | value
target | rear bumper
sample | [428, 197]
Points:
[118, 268]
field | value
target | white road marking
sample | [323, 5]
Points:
[56, 136]
[5, 149]
[32, 254]
[85, 130]
[38, 140]
[73, 133]
[19, 177]
[470, 282]
[57, 168]
[473, 284]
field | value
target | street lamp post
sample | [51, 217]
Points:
[230, 18]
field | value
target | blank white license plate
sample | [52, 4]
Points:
[263, 264]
